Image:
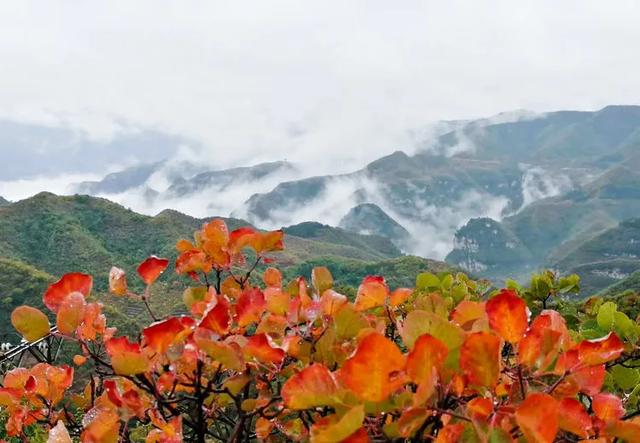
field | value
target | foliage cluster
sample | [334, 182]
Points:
[448, 360]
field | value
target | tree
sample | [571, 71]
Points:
[447, 360]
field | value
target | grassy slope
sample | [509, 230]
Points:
[46, 236]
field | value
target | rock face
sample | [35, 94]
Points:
[485, 247]
[607, 258]
[368, 218]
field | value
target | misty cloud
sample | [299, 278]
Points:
[328, 84]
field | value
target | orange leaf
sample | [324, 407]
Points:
[126, 357]
[607, 407]
[241, 238]
[331, 302]
[277, 301]
[74, 282]
[468, 312]
[428, 353]
[258, 347]
[537, 417]
[215, 233]
[30, 322]
[450, 433]
[480, 408]
[508, 315]
[360, 436]
[272, 277]
[101, 424]
[311, 387]
[371, 293]
[269, 241]
[184, 245]
[70, 313]
[190, 262]
[217, 319]
[228, 355]
[602, 350]
[399, 296]
[117, 281]
[150, 269]
[480, 359]
[250, 307]
[375, 370]
[574, 418]
[161, 335]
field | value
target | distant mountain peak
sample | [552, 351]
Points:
[368, 218]
[4, 202]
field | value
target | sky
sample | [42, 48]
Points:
[329, 84]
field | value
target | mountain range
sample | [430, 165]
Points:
[499, 197]
[45, 236]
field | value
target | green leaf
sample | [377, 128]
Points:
[626, 378]
[625, 327]
[606, 316]
[447, 281]
[634, 398]
[512, 284]
[427, 280]
[570, 283]
[499, 436]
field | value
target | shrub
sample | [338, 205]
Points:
[448, 360]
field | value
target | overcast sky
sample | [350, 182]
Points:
[322, 82]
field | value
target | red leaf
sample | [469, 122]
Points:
[603, 350]
[217, 319]
[151, 268]
[258, 347]
[508, 315]
[537, 417]
[74, 282]
[574, 418]
[480, 408]
[607, 407]
[161, 335]
[450, 434]
[250, 307]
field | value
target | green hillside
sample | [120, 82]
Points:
[398, 272]
[46, 236]
[19, 284]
